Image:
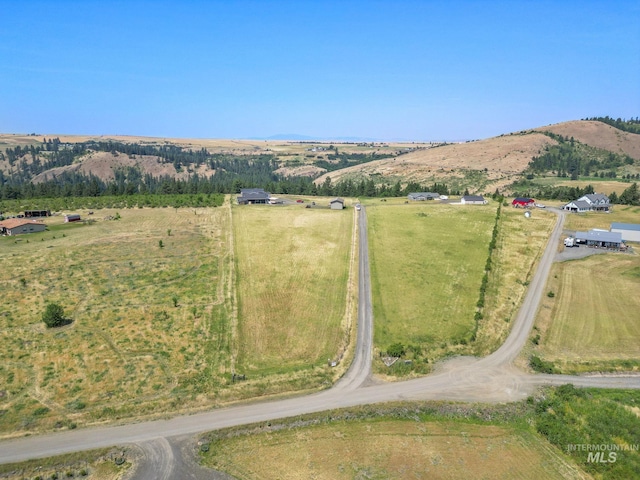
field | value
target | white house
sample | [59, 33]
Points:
[473, 200]
[598, 202]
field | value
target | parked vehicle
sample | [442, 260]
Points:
[570, 242]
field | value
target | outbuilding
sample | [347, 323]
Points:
[72, 217]
[251, 196]
[522, 202]
[18, 226]
[473, 200]
[336, 204]
[630, 231]
[600, 239]
[37, 213]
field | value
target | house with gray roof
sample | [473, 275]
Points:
[421, 196]
[251, 196]
[592, 202]
[630, 231]
[473, 200]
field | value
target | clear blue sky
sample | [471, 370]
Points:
[417, 70]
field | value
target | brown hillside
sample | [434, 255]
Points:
[103, 165]
[599, 135]
[504, 157]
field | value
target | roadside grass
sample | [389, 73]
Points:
[150, 329]
[102, 464]
[589, 220]
[520, 244]
[591, 321]
[432, 440]
[592, 419]
[427, 263]
[292, 267]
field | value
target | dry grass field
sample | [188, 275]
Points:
[427, 262]
[520, 244]
[391, 449]
[293, 267]
[591, 322]
[149, 298]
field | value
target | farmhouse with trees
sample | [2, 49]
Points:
[597, 202]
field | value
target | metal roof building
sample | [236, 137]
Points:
[630, 231]
[596, 238]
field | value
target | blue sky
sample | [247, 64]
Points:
[415, 70]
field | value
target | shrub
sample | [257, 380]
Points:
[53, 316]
[396, 350]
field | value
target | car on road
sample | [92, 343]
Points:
[539, 205]
[358, 206]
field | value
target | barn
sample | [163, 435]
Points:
[630, 231]
[18, 226]
[522, 202]
[37, 213]
[600, 239]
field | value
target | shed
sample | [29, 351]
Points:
[336, 204]
[630, 231]
[72, 217]
[473, 200]
[18, 226]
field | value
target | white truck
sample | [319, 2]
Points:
[570, 242]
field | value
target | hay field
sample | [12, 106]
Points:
[150, 327]
[593, 317]
[427, 263]
[520, 244]
[292, 268]
[391, 449]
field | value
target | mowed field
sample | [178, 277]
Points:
[427, 263]
[592, 320]
[150, 328]
[293, 267]
[391, 449]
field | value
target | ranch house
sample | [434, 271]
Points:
[336, 204]
[630, 231]
[18, 226]
[473, 200]
[422, 196]
[521, 202]
[253, 196]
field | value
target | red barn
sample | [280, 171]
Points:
[523, 202]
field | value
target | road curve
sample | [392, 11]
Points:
[490, 379]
